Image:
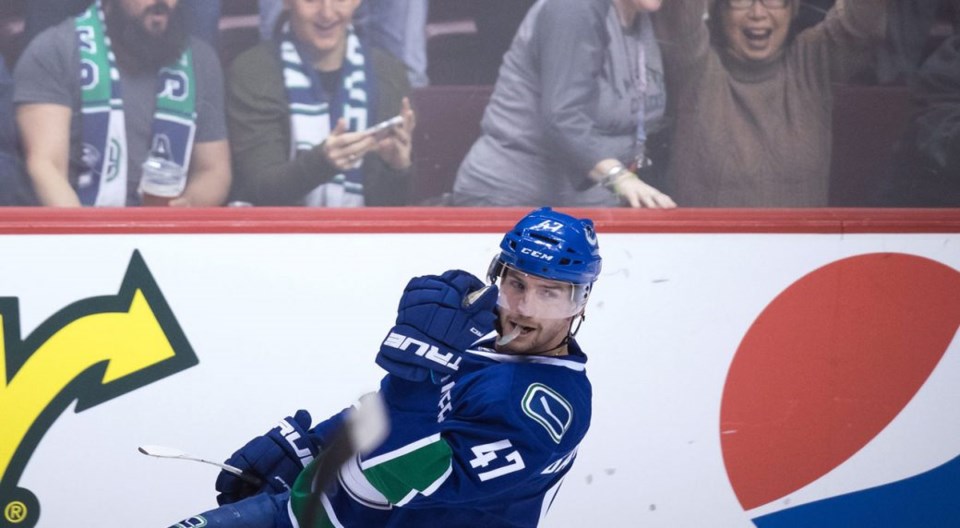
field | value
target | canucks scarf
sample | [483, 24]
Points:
[103, 181]
[314, 113]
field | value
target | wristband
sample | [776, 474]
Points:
[613, 176]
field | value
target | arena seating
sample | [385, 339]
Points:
[448, 122]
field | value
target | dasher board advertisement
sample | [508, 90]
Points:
[765, 369]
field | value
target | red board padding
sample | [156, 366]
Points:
[828, 365]
[40, 220]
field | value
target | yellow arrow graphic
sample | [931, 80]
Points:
[91, 351]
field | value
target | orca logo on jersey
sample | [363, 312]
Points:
[197, 521]
[549, 409]
[91, 351]
[424, 350]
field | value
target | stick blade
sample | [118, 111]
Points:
[161, 451]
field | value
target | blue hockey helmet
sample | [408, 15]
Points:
[551, 245]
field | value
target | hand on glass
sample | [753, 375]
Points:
[635, 192]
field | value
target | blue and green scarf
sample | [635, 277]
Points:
[314, 113]
[103, 181]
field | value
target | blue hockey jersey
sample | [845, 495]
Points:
[486, 446]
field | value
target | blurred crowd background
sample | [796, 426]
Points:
[891, 136]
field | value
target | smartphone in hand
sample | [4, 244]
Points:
[384, 129]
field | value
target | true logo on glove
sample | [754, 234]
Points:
[424, 350]
[291, 437]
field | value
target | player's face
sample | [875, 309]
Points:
[540, 310]
[321, 24]
[756, 33]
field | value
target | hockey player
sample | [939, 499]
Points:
[485, 421]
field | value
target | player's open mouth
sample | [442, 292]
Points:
[523, 329]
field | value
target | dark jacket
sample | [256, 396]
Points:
[927, 162]
[259, 123]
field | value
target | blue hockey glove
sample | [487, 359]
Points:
[435, 324]
[253, 512]
[276, 457]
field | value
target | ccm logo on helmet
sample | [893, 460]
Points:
[536, 254]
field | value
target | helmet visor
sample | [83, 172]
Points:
[539, 298]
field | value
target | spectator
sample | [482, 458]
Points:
[297, 107]
[580, 89]
[753, 111]
[908, 26]
[398, 26]
[14, 187]
[148, 92]
[270, 11]
[927, 163]
[203, 19]
[811, 13]
[203, 16]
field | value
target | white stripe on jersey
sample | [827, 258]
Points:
[397, 453]
[356, 484]
[543, 360]
[548, 497]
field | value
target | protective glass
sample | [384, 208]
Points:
[747, 4]
[539, 298]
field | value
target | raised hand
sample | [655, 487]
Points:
[436, 323]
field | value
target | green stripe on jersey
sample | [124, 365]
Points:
[414, 467]
[300, 496]
[397, 474]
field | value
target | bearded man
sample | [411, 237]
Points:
[117, 90]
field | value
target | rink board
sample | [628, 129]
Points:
[743, 365]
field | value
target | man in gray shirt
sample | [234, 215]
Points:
[145, 43]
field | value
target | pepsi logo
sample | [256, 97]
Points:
[839, 405]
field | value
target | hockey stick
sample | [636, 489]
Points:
[365, 428]
[170, 452]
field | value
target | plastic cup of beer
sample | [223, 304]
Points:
[162, 180]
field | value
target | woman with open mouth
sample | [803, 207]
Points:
[752, 100]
